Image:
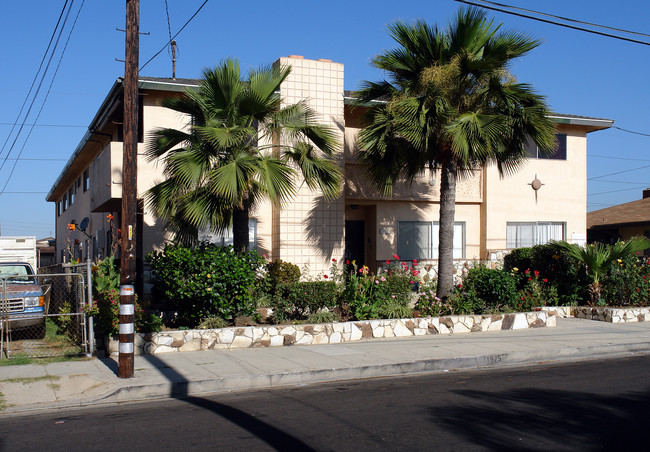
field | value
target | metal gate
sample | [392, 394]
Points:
[47, 318]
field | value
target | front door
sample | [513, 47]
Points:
[354, 241]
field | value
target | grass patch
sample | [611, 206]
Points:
[22, 360]
[2, 402]
[28, 380]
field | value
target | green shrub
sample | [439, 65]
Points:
[323, 317]
[280, 272]
[429, 304]
[485, 288]
[106, 311]
[567, 276]
[204, 281]
[296, 300]
[212, 323]
[627, 283]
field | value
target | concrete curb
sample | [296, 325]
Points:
[185, 388]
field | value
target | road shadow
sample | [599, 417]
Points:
[546, 419]
[273, 436]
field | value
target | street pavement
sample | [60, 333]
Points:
[37, 387]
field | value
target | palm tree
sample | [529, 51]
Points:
[241, 145]
[450, 103]
[598, 258]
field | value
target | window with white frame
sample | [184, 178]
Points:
[525, 234]
[419, 239]
[227, 238]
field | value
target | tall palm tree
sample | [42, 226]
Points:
[450, 103]
[240, 145]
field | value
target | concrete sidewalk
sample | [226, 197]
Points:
[36, 387]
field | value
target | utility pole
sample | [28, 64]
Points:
[129, 191]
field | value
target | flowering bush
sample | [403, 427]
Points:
[429, 304]
[536, 291]
[627, 283]
[106, 311]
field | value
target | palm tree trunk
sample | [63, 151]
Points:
[240, 237]
[446, 237]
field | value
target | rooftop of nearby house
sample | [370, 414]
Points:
[633, 212]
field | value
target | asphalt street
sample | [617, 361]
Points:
[588, 405]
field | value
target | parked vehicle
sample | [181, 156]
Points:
[23, 304]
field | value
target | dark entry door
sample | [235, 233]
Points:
[354, 241]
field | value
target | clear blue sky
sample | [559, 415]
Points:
[579, 73]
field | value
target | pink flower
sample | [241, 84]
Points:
[376, 281]
[416, 272]
[411, 282]
[395, 256]
[415, 261]
[383, 279]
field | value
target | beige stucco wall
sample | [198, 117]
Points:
[563, 197]
[309, 229]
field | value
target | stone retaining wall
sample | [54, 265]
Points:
[604, 314]
[330, 333]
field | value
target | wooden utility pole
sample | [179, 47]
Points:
[129, 191]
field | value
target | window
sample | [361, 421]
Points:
[71, 195]
[64, 201]
[419, 239]
[558, 154]
[227, 238]
[525, 234]
[58, 209]
[86, 179]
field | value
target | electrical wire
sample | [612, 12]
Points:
[631, 131]
[526, 16]
[174, 37]
[35, 76]
[567, 19]
[43, 125]
[47, 94]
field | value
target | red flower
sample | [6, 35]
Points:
[325, 276]
[415, 261]
[387, 262]
[411, 282]
[334, 260]
[395, 256]
[545, 280]
[530, 279]
[347, 262]
[527, 271]
[415, 272]
[536, 273]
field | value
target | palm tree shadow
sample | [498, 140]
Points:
[273, 436]
[532, 418]
[320, 226]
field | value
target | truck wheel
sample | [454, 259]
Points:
[40, 330]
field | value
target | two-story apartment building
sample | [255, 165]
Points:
[545, 200]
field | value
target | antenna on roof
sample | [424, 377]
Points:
[173, 44]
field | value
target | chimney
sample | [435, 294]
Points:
[646, 193]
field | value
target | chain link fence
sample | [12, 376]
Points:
[43, 315]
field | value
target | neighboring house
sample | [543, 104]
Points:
[621, 221]
[46, 253]
[545, 200]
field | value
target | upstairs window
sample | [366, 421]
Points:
[558, 154]
[86, 179]
[71, 195]
[64, 203]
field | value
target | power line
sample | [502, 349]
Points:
[41, 125]
[631, 131]
[47, 94]
[617, 158]
[567, 19]
[174, 37]
[612, 191]
[618, 172]
[36, 77]
[526, 16]
[621, 182]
